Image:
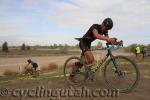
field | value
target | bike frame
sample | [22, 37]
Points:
[101, 62]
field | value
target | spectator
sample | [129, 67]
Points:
[137, 52]
[144, 52]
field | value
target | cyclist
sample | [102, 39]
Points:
[33, 63]
[96, 31]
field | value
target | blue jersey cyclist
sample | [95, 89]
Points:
[33, 63]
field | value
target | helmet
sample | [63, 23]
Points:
[29, 60]
[108, 23]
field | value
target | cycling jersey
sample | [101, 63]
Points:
[34, 64]
[88, 38]
[138, 50]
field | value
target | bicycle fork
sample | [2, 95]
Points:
[117, 68]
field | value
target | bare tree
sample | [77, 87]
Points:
[23, 47]
[5, 47]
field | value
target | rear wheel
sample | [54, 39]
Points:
[130, 74]
[79, 73]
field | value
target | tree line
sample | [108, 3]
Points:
[5, 47]
[24, 47]
[65, 47]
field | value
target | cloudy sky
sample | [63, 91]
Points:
[44, 22]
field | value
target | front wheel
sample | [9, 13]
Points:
[36, 73]
[129, 78]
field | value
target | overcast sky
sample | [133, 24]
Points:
[44, 22]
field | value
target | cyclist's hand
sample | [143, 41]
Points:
[112, 40]
[120, 43]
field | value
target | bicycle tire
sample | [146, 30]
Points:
[135, 83]
[65, 74]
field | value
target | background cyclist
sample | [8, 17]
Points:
[33, 63]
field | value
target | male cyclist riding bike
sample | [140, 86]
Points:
[96, 31]
[33, 63]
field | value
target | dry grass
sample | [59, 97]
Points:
[10, 72]
[50, 66]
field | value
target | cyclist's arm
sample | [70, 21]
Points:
[27, 65]
[101, 37]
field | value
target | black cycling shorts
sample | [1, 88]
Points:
[85, 45]
[35, 66]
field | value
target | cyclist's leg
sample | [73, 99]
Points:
[90, 60]
[76, 65]
[79, 63]
[85, 55]
[88, 57]
[34, 67]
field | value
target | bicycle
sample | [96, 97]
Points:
[31, 72]
[119, 72]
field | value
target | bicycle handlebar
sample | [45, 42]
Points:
[119, 43]
[110, 46]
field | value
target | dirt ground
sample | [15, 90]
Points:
[142, 92]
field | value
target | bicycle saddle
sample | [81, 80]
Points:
[83, 38]
[79, 39]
